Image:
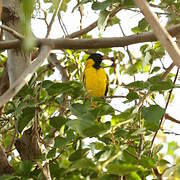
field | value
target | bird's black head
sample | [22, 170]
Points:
[97, 58]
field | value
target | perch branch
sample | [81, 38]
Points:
[65, 43]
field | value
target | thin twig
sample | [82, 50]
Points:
[63, 27]
[81, 14]
[92, 26]
[164, 75]
[53, 60]
[53, 18]
[170, 132]
[167, 103]
[170, 118]
[168, 70]
[12, 31]
[111, 97]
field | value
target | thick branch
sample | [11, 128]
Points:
[18, 59]
[0, 8]
[160, 31]
[64, 43]
[25, 76]
[27, 145]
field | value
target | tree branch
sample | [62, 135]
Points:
[92, 26]
[53, 18]
[5, 168]
[25, 76]
[64, 43]
[18, 59]
[53, 60]
[12, 31]
[160, 32]
[170, 118]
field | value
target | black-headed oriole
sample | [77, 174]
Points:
[95, 77]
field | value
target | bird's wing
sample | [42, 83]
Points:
[107, 85]
[84, 79]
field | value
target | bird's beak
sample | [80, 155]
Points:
[105, 57]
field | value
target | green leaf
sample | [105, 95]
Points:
[148, 162]
[142, 26]
[132, 96]
[61, 141]
[103, 109]
[172, 146]
[114, 20]
[155, 69]
[159, 51]
[162, 85]
[83, 163]
[28, 7]
[25, 117]
[73, 88]
[25, 91]
[87, 128]
[163, 162]
[102, 20]
[133, 176]
[57, 122]
[51, 154]
[120, 168]
[152, 116]
[138, 85]
[25, 168]
[47, 83]
[80, 109]
[127, 3]
[55, 170]
[124, 116]
[101, 5]
[7, 177]
[9, 108]
[80, 153]
[64, 5]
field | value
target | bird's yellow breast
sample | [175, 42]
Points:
[95, 80]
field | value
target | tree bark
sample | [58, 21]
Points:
[27, 145]
[0, 8]
[5, 168]
[18, 59]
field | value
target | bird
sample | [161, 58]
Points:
[95, 78]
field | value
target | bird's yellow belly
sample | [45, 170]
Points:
[95, 81]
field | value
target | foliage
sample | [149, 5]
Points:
[90, 138]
